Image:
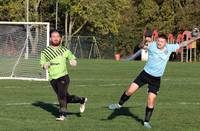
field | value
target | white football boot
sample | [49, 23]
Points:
[114, 106]
[82, 106]
[60, 118]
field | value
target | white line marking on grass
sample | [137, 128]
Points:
[14, 87]
[99, 79]
[100, 85]
[81, 85]
[185, 103]
[122, 79]
[112, 84]
[24, 103]
[17, 104]
[180, 79]
[55, 103]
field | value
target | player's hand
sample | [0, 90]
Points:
[143, 44]
[46, 65]
[145, 47]
[73, 62]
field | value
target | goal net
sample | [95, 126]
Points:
[85, 47]
[20, 47]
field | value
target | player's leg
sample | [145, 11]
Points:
[55, 88]
[74, 98]
[138, 82]
[77, 99]
[151, 100]
[54, 85]
[62, 85]
[125, 96]
[130, 91]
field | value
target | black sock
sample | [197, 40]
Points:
[82, 100]
[63, 114]
[123, 98]
[148, 114]
[74, 99]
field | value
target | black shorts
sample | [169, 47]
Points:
[145, 78]
[61, 84]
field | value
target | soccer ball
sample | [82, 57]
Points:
[195, 32]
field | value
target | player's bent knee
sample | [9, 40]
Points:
[151, 100]
[151, 103]
[150, 106]
[129, 93]
[133, 87]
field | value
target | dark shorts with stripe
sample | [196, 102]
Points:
[145, 78]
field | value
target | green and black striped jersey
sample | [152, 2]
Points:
[57, 58]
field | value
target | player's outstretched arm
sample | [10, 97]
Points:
[185, 43]
[143, 44]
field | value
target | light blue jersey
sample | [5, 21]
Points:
[157, 59]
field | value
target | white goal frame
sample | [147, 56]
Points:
[11, 77]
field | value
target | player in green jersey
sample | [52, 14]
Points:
[54, 59]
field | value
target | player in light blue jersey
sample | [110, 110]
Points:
[158, 55]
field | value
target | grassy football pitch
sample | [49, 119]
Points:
[30, 105]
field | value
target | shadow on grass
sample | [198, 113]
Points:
[123, 111]
[53, 108]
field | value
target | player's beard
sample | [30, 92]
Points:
[55, 43]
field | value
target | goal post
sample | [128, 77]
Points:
[20, 47]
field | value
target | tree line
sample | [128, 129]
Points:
[116, 22]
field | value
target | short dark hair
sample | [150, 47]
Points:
[162, 35]
[55, 31]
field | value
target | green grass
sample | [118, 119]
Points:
[24, 68]
[103, 82]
